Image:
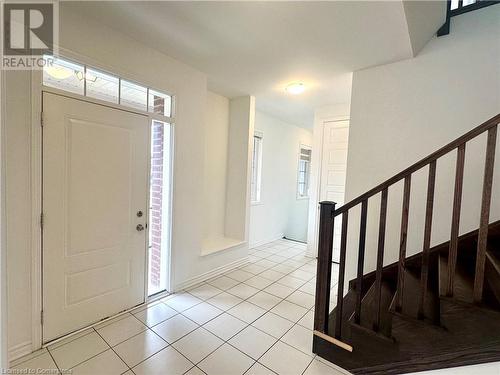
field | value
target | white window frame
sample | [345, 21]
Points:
[308, 172]
[256, 177]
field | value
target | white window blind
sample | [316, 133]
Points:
[303, 172]
[256, 168]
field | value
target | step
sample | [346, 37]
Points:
[463, 281]
[349, 304]
[492, 272]
[411, 298]
[368, 309]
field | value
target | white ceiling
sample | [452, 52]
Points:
[257, 47]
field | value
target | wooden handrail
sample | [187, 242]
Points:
[326, 227]
[421, 163]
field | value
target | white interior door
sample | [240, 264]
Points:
[95, 180]
[333, 171]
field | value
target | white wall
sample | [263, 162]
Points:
[403, 111]
[97, 45]
[216, 152]
[279, 211]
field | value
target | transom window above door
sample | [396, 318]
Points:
[87, 81]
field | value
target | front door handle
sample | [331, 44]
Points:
[139, 227]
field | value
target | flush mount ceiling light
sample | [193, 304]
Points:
[295, 88]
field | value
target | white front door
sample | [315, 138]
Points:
[95, 181]
[333, 171]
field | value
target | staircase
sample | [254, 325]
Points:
[438, 308]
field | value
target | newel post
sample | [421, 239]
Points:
[324, 269]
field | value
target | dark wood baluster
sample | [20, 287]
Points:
[340, 286]
[324, 268]
[424, 273]
[403, 242]
[380, 257]
[485, 215]
[361, 260]
[455, 219]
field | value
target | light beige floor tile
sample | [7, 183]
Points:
[226, 360]
[71, 337]
[105, 363]
[302, 299]
[198, 344]
[167, 361]
[225, 326]
[27, 357]
[283, 359]
[247, 312]
[223, 282]
[276, 258]
[252, 342]
[43, 361]
[265, 300]
[307, 321]
[258, 369]
[182, 301]
[243, 291]
[318, 368]
[291, 282]
[79, 350]
[140, 347]
[195, 371]
[272, 274]
[300, 338]
[303, 275]
[224, 301]
[254, 268]
[289, 311]
[155, 314]
[309, 287]
[202, 313]
[258, 282]
[265, 263]
[279, 290]
[273, 324]
[239, 275]
[205, 291]
[174, 328]
[121, 330]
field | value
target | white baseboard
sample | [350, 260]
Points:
[210, 274]
[278, 236]
[20, 350]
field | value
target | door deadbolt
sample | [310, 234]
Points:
[139, 227]
[139, 213]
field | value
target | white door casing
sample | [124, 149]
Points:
[95, 180]
[333, 171]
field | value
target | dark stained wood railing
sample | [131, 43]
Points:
[326, 229]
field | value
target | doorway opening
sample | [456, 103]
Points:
[160, 204]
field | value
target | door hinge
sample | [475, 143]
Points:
[41, 220]
[41, 317]
[41, 119]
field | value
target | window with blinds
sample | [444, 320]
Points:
[304, 171]
[256, 168]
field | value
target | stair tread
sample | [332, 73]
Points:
[368, 306]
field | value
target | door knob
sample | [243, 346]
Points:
[139, 227]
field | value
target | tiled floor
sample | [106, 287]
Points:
[253, 320]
